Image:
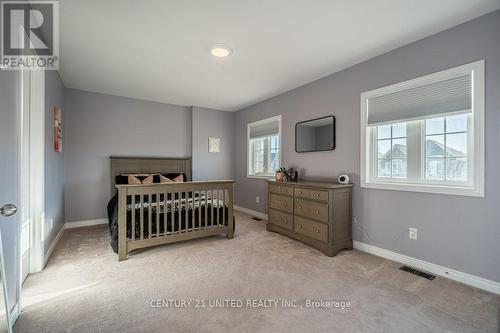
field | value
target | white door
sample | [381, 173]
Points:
[9, 166]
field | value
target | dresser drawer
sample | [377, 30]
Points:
[287, 190]
[311, 194]
[311, 229]
[281, 203]
[311, 209]
[281, 219]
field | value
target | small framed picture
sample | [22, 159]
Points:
[57, 130]
[213, 145]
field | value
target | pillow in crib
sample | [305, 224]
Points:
[164, 179]
[173, 177]
[149, 179]
[133, 180]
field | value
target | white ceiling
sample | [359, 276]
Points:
[158, 49]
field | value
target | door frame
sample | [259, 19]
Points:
[31, 159]
[37, 171]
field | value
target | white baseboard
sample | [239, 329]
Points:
[78, 224]
[452, 274]
[14, 314]
[53, 245]
[251, 212]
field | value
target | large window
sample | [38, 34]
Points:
[426, 134]
[264, 142]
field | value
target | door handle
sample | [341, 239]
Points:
[8, 210]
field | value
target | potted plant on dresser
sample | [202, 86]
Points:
[280, 174]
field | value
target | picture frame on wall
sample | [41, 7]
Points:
[57, 130]
[213, 145]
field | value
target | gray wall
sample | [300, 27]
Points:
[214, 123]
[54, 162]
[97, 126]
[9, 226]
[454, 231]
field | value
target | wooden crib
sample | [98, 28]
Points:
[156, 214]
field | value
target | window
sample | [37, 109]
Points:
[446, 148]
[264, 147]
[391, 150]
[426, 134]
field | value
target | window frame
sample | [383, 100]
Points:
[475, 171]
[249, 147]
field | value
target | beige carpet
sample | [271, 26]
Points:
[85, 289]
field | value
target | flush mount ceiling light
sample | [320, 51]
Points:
[220, 51]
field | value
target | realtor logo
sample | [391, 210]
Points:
[29, 35]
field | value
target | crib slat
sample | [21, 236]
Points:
[179, 212]
[141, 217]
[132, 213]
[223, 207]
[192, 210]
[181, 206]
[212, 208]
[180, 215]
[206, 209]
[149, 215]
[186, 211]
[157, 214]
[172, 210]
[199, 211]
[165, 214]
[217, 207]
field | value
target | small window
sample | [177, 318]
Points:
[264, 147]
[426, 134]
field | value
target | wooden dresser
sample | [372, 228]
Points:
[315, 213]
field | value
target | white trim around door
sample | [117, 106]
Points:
[37, 170]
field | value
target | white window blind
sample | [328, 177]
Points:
[264, 129]
[450, 96]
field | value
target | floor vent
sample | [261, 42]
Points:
[256, 219]
[415, 271]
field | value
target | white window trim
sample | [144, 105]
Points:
[256, 123]
[477, 133]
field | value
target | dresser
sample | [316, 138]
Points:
[315, 213]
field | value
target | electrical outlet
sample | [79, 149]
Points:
[413, 233]
[257, 199]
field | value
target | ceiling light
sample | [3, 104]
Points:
[220, 51]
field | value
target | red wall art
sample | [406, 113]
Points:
[57, 130]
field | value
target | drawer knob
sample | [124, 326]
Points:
[317, 231]
[300, 207]
[285, 221]
[300, 225]
[317, 212]
[300, 192]
[317, 194]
